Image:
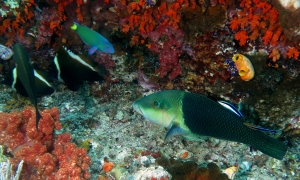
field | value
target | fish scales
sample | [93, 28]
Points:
[215, 121]
[192, 115]
[205, 117]
[92, 38]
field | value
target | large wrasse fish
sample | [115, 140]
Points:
[192, 116]
[95, 40]
[25, 73]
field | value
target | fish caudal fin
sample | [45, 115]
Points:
[38, 117]
[271, 147]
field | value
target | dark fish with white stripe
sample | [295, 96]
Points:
[25, 73]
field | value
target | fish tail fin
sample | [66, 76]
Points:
[271, 146]
[38, 117]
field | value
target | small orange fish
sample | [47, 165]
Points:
[244, 66]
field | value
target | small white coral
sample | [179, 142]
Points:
[290, 4]
[153, 172]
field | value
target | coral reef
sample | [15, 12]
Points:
[189, 170]
[16, 20]
[167, 44]
[49, 24]
[40, 150]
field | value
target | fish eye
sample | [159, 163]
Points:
[237, 58]
[156, 103]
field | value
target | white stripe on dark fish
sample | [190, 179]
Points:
[231, 108]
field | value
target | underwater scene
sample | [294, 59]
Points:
[149, 89]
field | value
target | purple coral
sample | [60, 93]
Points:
[167, 41]
[145, 82]
[45, 30]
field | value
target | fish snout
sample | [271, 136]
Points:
[137, 108]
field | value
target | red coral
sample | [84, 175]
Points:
[18, 132]
[234, 23]
[242, 37]
[146, 19]
[13, 27]
[293, 53]
[73, 161]
[267, 37]
[263, 19]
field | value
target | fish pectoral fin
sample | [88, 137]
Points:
[92, 50]
[174, 131]
[243, 72]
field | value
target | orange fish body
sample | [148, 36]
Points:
[244, 66]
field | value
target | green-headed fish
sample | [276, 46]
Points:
[95, 40]
[25, 73]
[192, 115]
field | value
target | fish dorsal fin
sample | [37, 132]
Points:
[81, 59]
[231, 108]
[174, 131]
[40, 77]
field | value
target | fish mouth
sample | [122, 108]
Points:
[137, 108]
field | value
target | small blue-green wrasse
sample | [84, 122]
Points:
[192, 116]
[95, 40]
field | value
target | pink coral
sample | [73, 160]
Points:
[145, 82]
[49, 24]
[167, 41]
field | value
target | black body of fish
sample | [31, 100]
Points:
[206, 117]
[25, 73]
